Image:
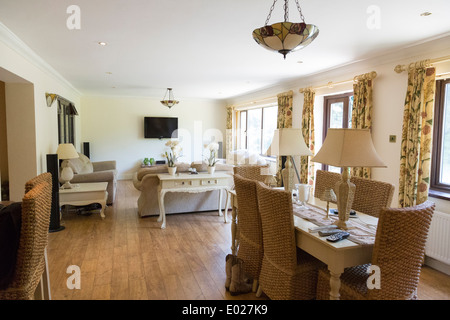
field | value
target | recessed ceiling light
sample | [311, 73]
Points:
[102, 43]
[108, 72]
[299, 61]
[425, 14]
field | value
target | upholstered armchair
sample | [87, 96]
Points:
[101, 171]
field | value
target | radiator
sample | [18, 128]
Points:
[438, 242]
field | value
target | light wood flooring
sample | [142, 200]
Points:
[130, 258]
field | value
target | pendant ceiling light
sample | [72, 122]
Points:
[171, 101]
[285, 37]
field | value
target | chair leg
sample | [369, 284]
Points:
[255, 285]
[259, 292]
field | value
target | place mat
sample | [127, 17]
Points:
[360, 232]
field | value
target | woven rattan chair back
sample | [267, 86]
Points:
[43, 177]
[275, 207]
[325, 180]
[30, 264]
[250, 229]
[252, 172]
[399, 250]
[370, 195]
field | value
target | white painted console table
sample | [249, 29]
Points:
[191, 183]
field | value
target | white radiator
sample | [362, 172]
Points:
[438, 242]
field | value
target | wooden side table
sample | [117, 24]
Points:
[83, 194]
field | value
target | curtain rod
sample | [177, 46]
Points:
[248, 104]
[369, 75]
[400, 68]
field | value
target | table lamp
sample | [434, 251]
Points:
[347, 148]
[66, 151]
[289, 142]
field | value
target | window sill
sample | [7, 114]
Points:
[439, 194]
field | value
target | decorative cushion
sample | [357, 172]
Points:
[81, 164]
[10, 223]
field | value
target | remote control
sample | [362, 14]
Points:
[328, 232]
[335, 211]
[338, 236]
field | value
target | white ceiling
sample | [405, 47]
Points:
[204, 48]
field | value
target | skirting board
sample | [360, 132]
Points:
[438, 265]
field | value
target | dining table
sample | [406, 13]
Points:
[355, 250]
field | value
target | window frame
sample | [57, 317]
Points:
[66, 121]
[438, 189]
[261, 108]
[327, 102]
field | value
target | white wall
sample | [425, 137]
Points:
[114, 127]
[388, 100]
[23, 71]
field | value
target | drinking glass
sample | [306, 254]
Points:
[302, 194]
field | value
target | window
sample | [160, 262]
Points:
[440, 164]
[66, 121]
[256, 127]
[337, 114]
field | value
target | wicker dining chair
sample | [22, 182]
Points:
[250, 229]
[398, 251]
[286, 273]
[252, 172]
[30, 262]
[370, 195]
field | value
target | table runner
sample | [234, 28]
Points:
[360, 232]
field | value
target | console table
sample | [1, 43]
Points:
[191, 183]
[83, 194]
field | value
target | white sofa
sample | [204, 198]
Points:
[146, 180]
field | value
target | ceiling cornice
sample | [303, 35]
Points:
[14, 43]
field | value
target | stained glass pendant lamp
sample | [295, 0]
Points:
[285, 37]
[171, 101]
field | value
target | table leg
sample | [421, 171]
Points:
[335, 283]
[162, 212]
[227, 205]
[220, 202]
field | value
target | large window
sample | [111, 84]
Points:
[440, 164]
[256, 127]
[337, 114]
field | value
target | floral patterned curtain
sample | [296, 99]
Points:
[284, 120]
[306, 165]
[229, 133]
[417, 134]
[362, 112]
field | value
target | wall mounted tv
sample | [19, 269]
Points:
[160, 127]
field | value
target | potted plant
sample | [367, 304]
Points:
[146, 161]
[213, 149]
[172, 155]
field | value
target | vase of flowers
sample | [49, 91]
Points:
[172, 155]
[212, 159]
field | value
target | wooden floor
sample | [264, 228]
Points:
[130, 258]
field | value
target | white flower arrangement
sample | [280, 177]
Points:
[174, 152]
[213, 149]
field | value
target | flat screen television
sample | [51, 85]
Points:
[160, 127]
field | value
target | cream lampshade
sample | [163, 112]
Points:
[66, 151]
[289, 142]
[347, 148]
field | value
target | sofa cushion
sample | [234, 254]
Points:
[10, 224]
[245, 157]
[82, 164]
